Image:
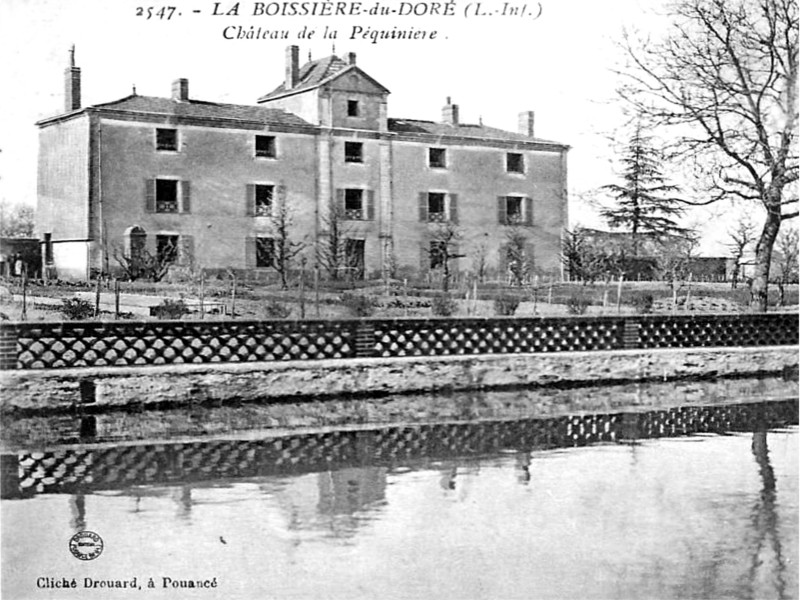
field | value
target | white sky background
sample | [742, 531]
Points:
[493, 67]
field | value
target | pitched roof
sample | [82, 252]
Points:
[461, 130]
[199, 109]
[310, 75]
[314, 73]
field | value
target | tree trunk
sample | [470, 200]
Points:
[764, 249]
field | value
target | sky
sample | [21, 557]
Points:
[557, 59]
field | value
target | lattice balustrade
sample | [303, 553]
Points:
[58, 345]
[720, 330]
[438, 337]
[158, 343]
[70, 470]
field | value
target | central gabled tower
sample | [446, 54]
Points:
[330, 92]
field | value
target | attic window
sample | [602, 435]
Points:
[167, 139]
[353, 152]
[436, 158]
[265, 146]
[353, 108]
[514, 162]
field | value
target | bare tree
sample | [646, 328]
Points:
[444, 247]
[786, 261]
[480, 261]
[674, 261]
[332, 247]
[144, 265]
[284, 248]
[518, 255]
[740, 238]
[724, 79]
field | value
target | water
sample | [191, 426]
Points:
[498, 495]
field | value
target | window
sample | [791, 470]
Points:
[354, 204]
[515, 210]
[166, 196]
[265, 146]
[353, 108]
[166, 249]
[436, 207]
[436, 158]
[263, 200]
[438, 253]
[354, 258]
[353, 152]
[265, 252]
[167, 139]
[514, 162]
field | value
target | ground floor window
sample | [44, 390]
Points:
[166, 249]
[354, 257]
[265, 252]
[438, 254]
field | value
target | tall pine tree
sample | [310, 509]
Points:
[644, 201]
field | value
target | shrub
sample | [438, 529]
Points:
[276, 310]
[506, 305]
[577, 305]
[643, 303]
[358, 305]
[77, 309]
[443, 305]
[170, 309]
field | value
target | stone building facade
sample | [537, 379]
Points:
[201, 182]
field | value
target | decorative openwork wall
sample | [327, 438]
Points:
[49, 345]
[74, 470]
[129, 343]
[438, 337]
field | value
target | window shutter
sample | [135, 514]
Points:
[529, 211]
[280, 195]
[452, 209]
[185, 205]
[250, 252]
[502, 210]
[250, 199]
[186, 250]
[150, 195]
[370, 204]
[424, 207]
[341, 199]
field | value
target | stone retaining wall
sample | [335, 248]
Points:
[60, 389]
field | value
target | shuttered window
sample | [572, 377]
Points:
[167, 196]
[515, 210]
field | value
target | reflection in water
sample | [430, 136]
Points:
[575, 506]
[764, 519]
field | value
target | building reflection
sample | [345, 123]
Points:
[336, 480]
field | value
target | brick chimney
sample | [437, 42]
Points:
[450, 112]
[525, 123]
[292, 67]
[350, 58]
[180, 90]
[72, 84]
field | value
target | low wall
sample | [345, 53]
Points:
[106, 387]
[49, 345]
